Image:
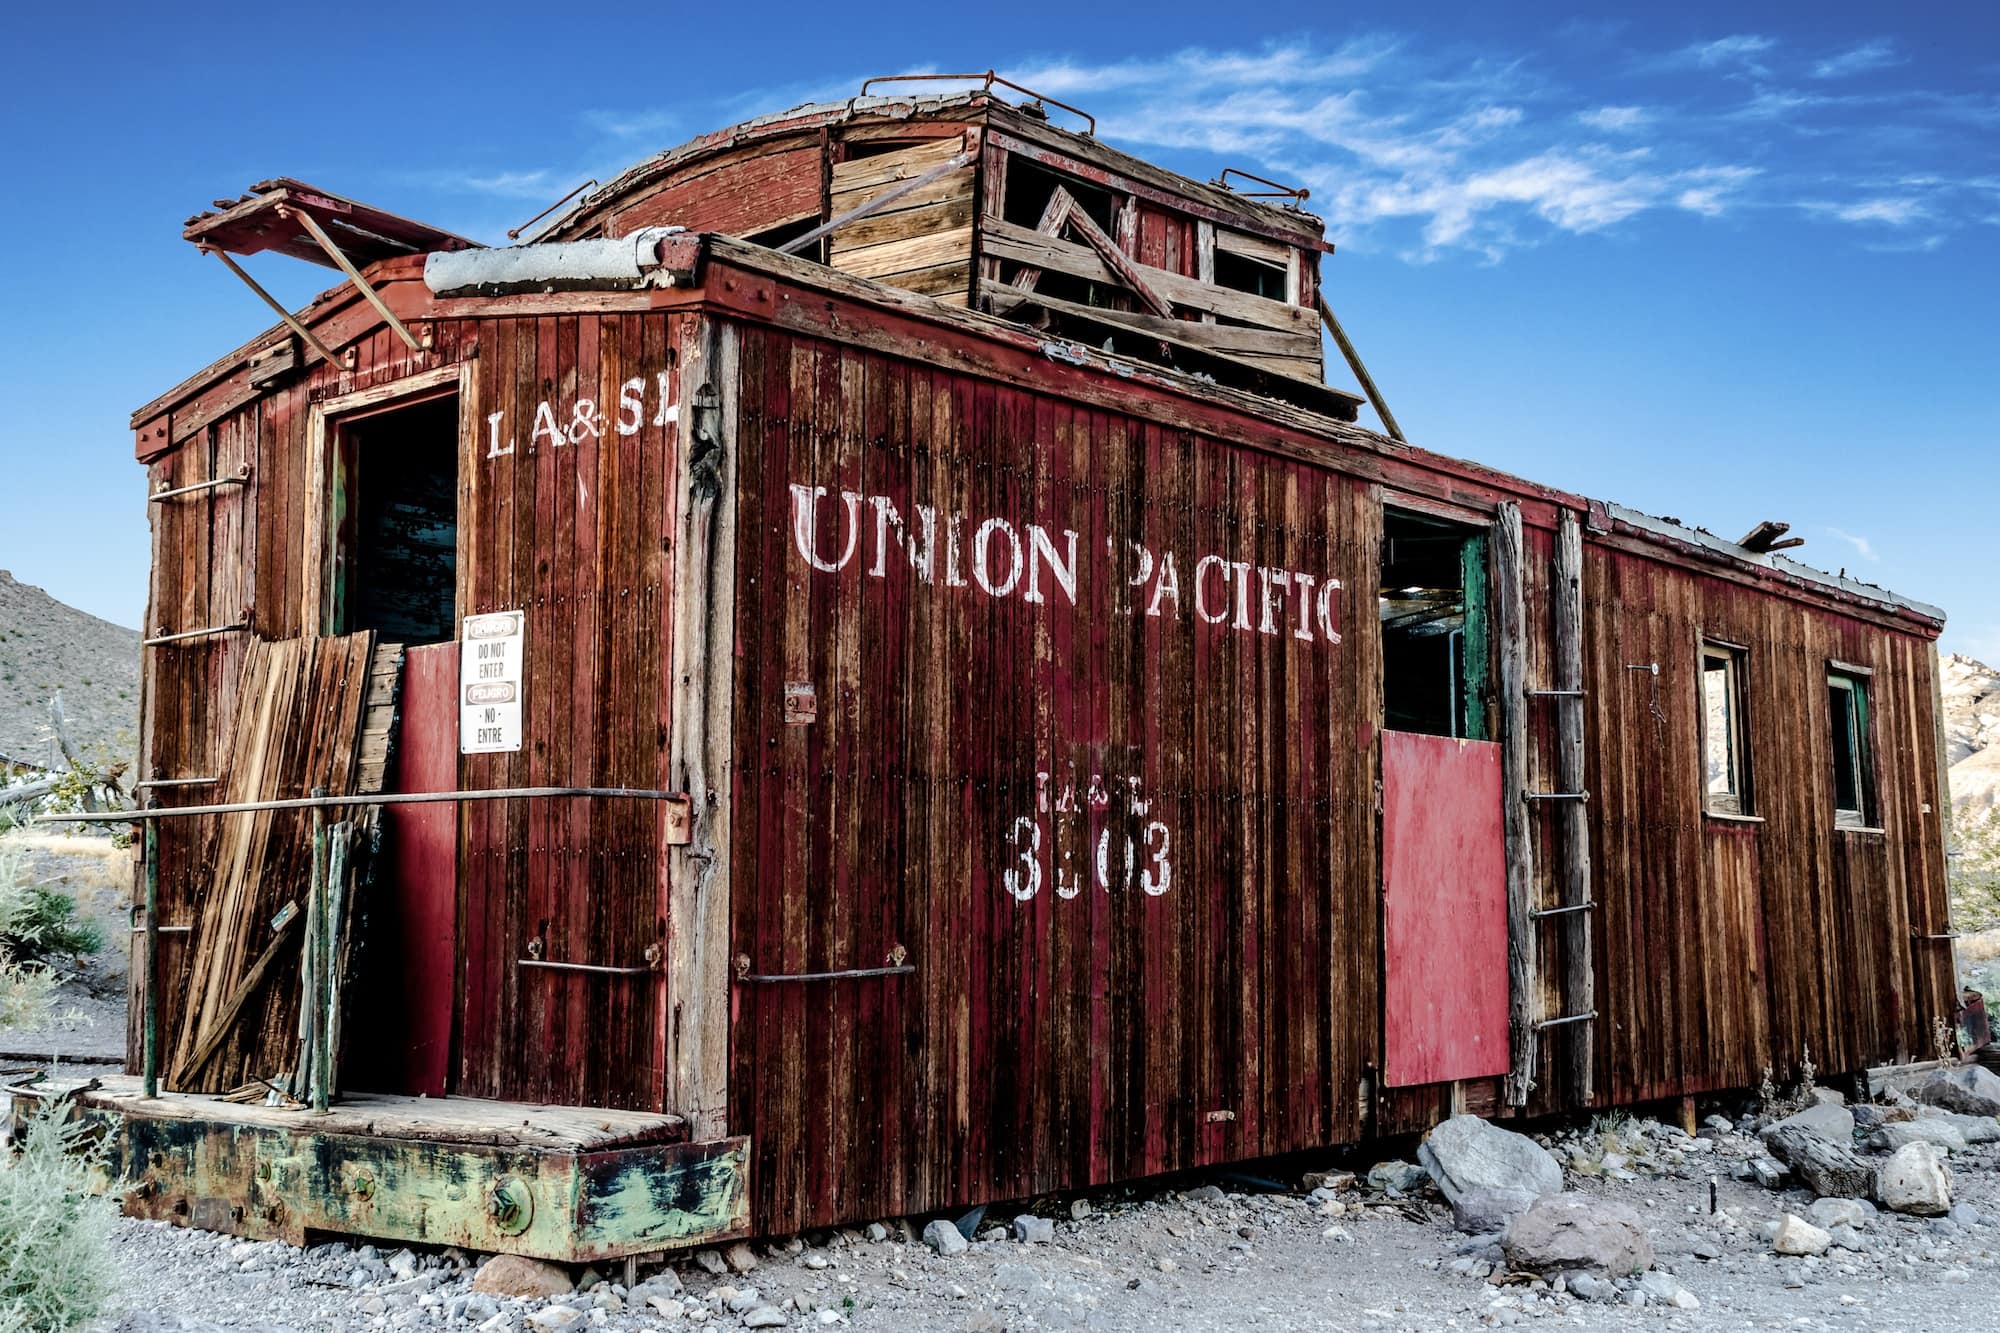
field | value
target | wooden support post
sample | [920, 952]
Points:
[149, 985]
[1573, 817]
[700, 745]
[1510, 625]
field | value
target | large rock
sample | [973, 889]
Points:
[1828, 1119]
[526, 1279]
[1969, 1090]
[1831, 1213]
[1971, 1128]
[1481, 1212]
[1915, 1180]
[945, 1238]
[1828, 1169]
[1572, 1231]
[1938, 1132]
[1466, 1153]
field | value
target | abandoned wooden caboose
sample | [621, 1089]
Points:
[1055, 743]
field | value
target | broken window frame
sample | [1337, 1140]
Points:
[1732, 663]
[1847, 712]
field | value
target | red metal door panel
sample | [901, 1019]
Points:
[413, 929]
[1444, 910]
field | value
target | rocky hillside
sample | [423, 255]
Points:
[1972, 731]
[45, 646]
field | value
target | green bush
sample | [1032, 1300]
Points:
[45, 926]
[24, 986]
[55, 1234]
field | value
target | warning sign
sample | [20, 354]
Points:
[489, 680]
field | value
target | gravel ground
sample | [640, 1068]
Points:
[1144, 1261]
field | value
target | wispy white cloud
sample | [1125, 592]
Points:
[653, 124]
[1740, 51]
[1862, 546]
[1894, 212]
[1861, 59]
[1614, 119]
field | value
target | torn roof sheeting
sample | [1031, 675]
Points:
[628, 261]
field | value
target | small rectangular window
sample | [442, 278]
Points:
[1847, 709]
[1724, 736]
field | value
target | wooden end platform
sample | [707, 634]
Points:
[565, 1183]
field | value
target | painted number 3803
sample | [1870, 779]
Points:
[1124, 853]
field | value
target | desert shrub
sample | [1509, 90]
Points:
[55, 1234]
[44, 926]
[1975, 869]
[24, 985]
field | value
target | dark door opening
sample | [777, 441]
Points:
[1435, 630]
[395, 566]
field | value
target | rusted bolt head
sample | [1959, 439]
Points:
[511, 1206]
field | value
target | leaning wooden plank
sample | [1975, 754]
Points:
[948, 188]
[282, 935]
[1121, 265]
[902, 223]
[1007, 240]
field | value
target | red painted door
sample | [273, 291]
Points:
[412, 930]
[1444, 910]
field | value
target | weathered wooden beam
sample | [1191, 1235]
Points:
[701, 744]
[1510, 626]
[1573, 817]
[211, 1041]
[1354, 363]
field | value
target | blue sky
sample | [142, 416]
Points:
[1725, 263]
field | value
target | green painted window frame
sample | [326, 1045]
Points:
[1853, 762]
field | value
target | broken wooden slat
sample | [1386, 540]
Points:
[1510, 630]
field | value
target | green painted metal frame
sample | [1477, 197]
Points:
[1476, 651]
[277, 1183]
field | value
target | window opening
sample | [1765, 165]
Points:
[1724, 734]
[1244, 274]
[1847, 708]
[1436, 644]
[396, 524]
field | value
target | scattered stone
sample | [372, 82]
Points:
[1032, 1230]
[814, 1260]
[1327, 1180]
[1971, 1128]
[1590, 1287]
[1831, 1213]
[1721, 1124]
[554, 1316]
[1465, 1155]
[945, 1238]
[740, 1258]
[1966, 1215]
[768, 1316]
[1079, 1209]
[1572, 1231]
[521, 1278]
[1969, 1090]
[1830, 1120]
[502, 1322]
[876, 1232]
[1205, 1194]
[710, 1261]
[1016, 1277]
[744, 1301]
[1798, 1237]
[1828, 1169]
[1665, 1289]
[1397, 1177]
[1767, 1172]
[1915, 1180]
[1940, 1133]
[1869, 1116]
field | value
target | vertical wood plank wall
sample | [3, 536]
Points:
[1056, 1041]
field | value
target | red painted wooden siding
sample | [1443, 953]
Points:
[1444, 910]
[416, 929]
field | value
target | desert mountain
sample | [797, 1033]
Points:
[1972, 731]
[47, 646]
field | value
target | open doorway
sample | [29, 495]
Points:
[395, 519]
[1436, 650]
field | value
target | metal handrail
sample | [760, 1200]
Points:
[1296, 193]
[369, 798]
[317, 803]
[241, 476]
[989, 78]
